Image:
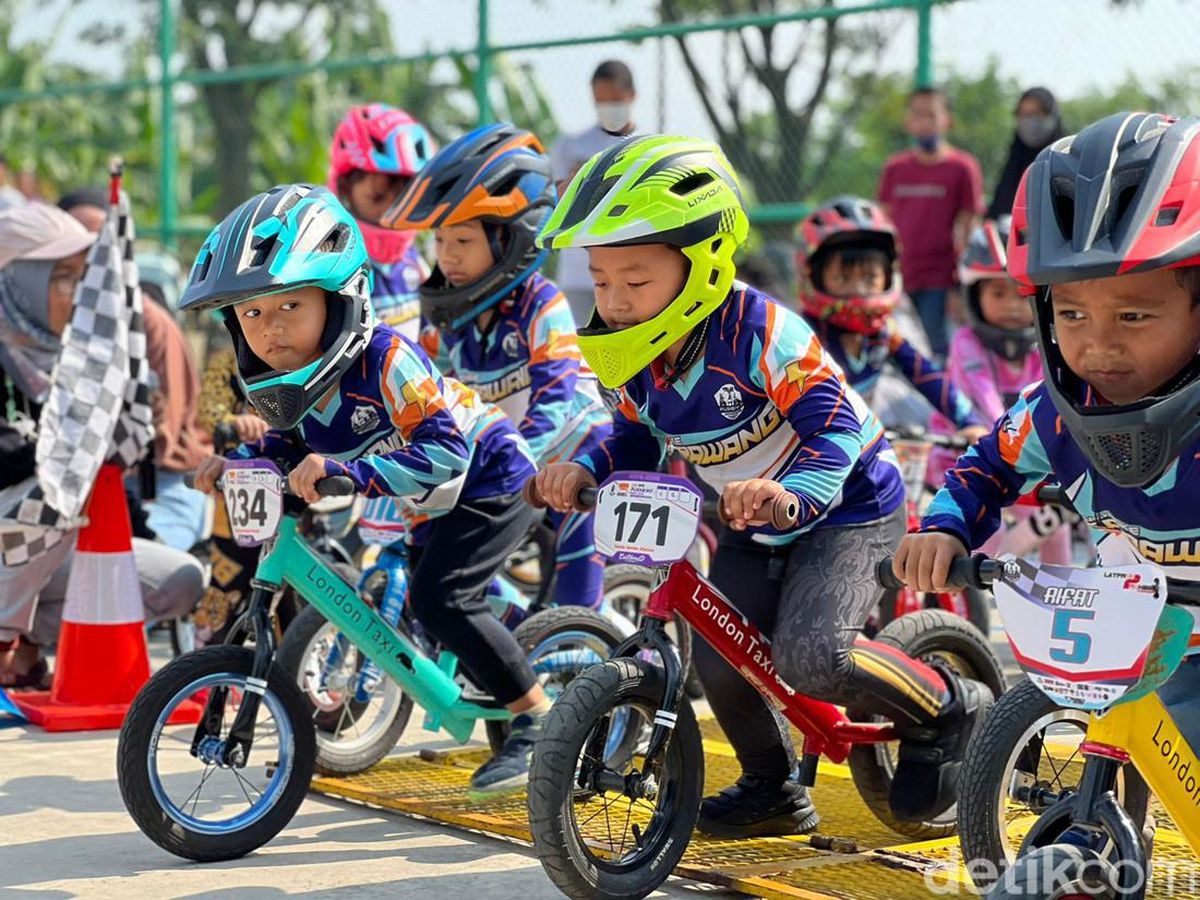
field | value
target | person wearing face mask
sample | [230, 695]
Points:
[933, 192]
[613, 94]
[42, 259]
[1039, 124]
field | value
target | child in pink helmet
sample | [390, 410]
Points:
[376, 151]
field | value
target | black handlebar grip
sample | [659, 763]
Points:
[977, 571]
[585, 500]
[336, 486]
[224, 437]
[1052, 495]
[885, 576]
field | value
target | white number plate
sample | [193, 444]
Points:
[646, 518]
[253, 491]
[1082, 635]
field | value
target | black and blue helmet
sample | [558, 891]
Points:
[292, 236]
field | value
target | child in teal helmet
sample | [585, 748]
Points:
[740, 387]
[289, 273]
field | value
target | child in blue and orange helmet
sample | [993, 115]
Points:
[288, 272]
[491, 320]
[846, 261]
[376, 151]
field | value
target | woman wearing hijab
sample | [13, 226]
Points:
[42, 258]
[1039, 124]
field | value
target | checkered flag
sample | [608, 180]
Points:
[1033, 580]
[96, 397]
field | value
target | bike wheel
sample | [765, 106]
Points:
[928, 634]
[976, 606]
[1059, 872]
[602, 843]
[359, 716]
[626, 590]
[1023, 760]
[182, 798]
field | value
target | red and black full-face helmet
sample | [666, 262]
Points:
[846, 224]
[1117, 198]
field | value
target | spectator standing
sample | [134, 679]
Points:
[933, 192]
[1039, 124]
[613, 93]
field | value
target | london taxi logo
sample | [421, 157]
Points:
[364, 419]
[511, 344]
[729, 401]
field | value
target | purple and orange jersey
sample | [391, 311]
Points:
[765, 401]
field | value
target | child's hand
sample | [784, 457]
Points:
[923, 560]
[560, 483]
[250, 428]
[748, 503]
[207, 474]
[972, 433]
[303, 479]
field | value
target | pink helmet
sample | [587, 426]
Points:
[379, 138]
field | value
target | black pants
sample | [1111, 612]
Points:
[451, 572]
[811, 599]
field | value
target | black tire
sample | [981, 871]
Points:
[979, 608]
[1002, 746]
[1076, 870]
[930, 633]
[338, 751]
[626, 588]
[138, 739]
[566, 857]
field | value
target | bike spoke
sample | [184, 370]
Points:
[208, 770]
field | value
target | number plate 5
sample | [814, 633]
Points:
[646, 518]
[1082, 635]
[253, 491]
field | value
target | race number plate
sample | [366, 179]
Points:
[382, 521]
[253, 491]
[1082, 635]
[646, 518]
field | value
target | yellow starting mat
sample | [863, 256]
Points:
[850, 856]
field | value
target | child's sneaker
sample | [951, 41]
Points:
[508, 770]
[757, 807]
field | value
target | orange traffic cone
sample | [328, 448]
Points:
[102, 659]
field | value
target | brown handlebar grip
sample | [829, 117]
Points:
[784, 511]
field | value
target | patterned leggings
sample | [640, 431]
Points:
[811, 599]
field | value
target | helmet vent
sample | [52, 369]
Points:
[377, 145]
[691, 183]
[619, 210]
[658, 337]
[1064, 205]
[713, 277]
[1167, 215]
[202, 270]
[288, 203]
[1124, 201]
[260, 252]
[335, 241]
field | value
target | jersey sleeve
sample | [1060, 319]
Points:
[554, 361]
[999, 468]
[435, 347]
[933, 382]
[970, 370]
[434, 456]
[805, 384]
[634, 443]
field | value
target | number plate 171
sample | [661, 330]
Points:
[646, 518]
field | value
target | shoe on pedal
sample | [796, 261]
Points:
[508, 771]
[757, 807]
[926, 781]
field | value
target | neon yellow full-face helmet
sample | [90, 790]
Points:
[655, 189]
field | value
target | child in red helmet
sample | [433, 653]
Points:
[846, 264]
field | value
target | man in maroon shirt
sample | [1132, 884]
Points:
[934, 194]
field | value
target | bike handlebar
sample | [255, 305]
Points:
[225, 437]
[916, 433]
[785, 508]
[330, 486]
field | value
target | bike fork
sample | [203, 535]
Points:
[236, 750]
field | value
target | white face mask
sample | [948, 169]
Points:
[613, 117]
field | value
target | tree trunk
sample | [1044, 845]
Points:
[232, 109]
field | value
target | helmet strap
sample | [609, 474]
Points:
[693, 345]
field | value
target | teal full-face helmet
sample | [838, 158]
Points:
[292, 236]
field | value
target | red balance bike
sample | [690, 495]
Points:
[913, 447]
[616, 827]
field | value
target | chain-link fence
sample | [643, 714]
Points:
[210, 100]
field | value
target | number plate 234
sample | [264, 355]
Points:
[253, 491]
[646, 518]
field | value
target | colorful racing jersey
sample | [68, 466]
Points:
[397, 427]
[396, 292]
[1159, 523]
[528, 364]
[764, 401]
[863, 370]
